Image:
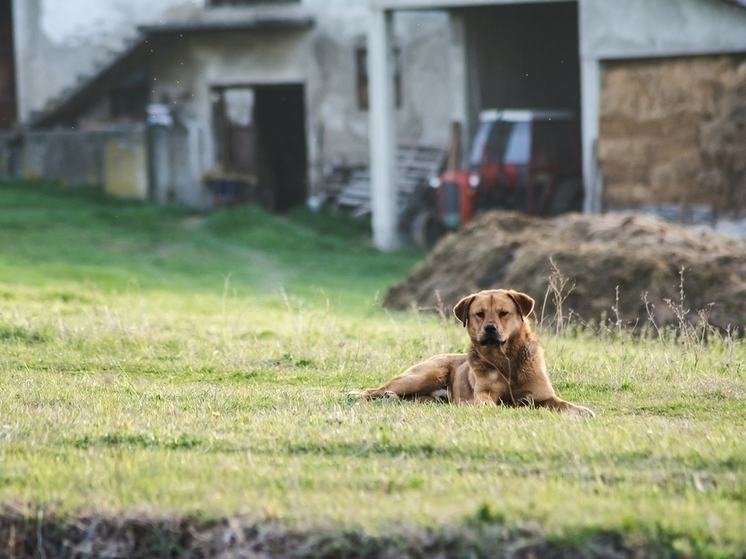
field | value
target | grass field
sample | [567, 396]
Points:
[164, 364]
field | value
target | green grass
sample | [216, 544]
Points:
[157, 360]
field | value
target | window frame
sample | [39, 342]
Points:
[363, 83]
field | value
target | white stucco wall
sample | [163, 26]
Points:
[653, 28]
[56, 41]
[422, 37]
[334, 117]
[428, 81]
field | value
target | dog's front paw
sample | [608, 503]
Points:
[440, 396]
[580, 411]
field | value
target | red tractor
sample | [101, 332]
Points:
[525, 160]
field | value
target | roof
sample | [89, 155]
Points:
[75, 100]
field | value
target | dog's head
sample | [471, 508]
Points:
[494, 317]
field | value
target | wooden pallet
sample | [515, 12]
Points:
[415, 164]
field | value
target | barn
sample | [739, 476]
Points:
[659, 85]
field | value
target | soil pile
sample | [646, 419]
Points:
[613, 261]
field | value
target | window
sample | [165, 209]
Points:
[361, 63]
[518, 149]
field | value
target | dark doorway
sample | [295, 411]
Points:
[261, 136]
[8, 114]
[524, 56]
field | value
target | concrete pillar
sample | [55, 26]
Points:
[382, 129]
[459, 81]
[590, 93]
[160, 169]
[26, 15]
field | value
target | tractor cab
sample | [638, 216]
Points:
[524, 160]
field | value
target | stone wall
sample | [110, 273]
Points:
[113, 159]
[669, 132]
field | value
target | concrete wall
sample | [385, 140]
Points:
[428, 80]
[114, 159]
[58, 41]
[423, 40]
[177, 164]
[654, 28]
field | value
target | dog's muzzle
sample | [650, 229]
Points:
[490, 335]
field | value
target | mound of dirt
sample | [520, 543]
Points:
[613, 261]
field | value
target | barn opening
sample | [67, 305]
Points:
[261, 137]
[523, 56]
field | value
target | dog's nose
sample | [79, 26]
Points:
[490, 335]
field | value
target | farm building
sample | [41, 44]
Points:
[660, 86]
[151, 98]
[163, 100]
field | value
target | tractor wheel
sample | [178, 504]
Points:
[426, 230]
[568, 197]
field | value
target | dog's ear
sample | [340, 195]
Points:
[461, 310]
[524, 303]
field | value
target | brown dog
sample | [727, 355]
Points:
[504, 365]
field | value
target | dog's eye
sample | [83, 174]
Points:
[479, 314]
[503, 314]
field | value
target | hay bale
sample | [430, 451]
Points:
[600, 256]
[723, 147]
[672, 132]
